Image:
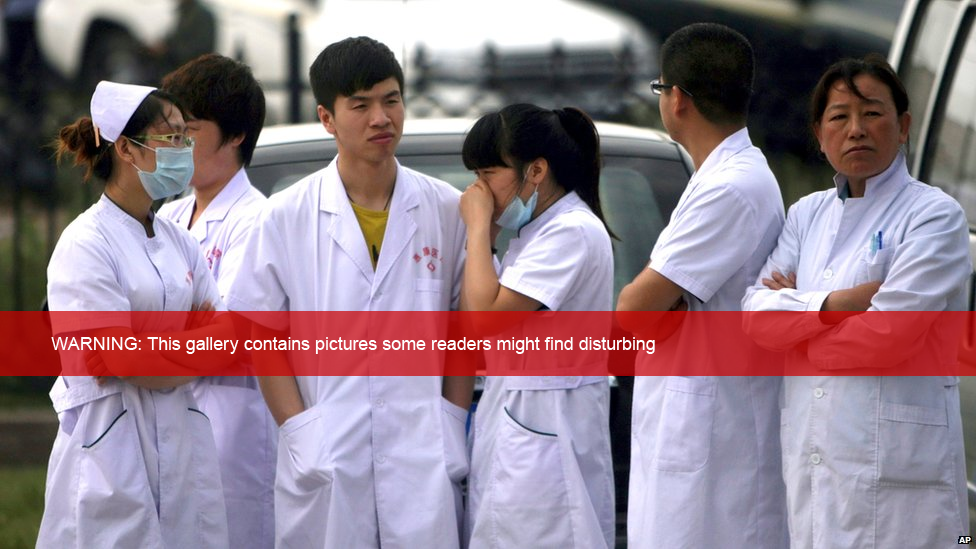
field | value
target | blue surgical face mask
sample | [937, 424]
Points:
[518, 214]
[174, 170]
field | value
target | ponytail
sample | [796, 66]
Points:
[586, 181]
[79, 140]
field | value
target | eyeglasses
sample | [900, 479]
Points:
[657, 87]
[178, 140]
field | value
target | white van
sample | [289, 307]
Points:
[934, 52]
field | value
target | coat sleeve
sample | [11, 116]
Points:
[778, 331]
[259, 284]
[701, 249]
[552, 264]
[83, 276]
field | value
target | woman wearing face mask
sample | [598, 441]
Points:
[541, 472]
[134, 464]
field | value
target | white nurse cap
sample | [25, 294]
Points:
[112, 105]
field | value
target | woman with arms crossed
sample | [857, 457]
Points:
[868, 461]
[134, 463]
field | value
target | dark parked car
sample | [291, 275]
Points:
[644, 174]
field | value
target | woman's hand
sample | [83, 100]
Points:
[477, 205]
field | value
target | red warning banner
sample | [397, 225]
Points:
[442, 343]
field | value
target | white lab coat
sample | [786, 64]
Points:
[372, 461]
[704, 452]
[245, 432]
[130, 467]
[871, 461]
[541, 467]
[222, 228]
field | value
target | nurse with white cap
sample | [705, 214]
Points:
[134, 463]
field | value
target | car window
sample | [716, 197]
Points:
[927, 49]
[953, 158]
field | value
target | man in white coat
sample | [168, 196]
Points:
[705, 450]
[225, 107]
[363, 461]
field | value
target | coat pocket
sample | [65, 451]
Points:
[309, 463]
[244, 433]
[527, 494]
[429, 295]
[685, 430]
[115, 507]
[208, 512]
[303, 485]
[873, 266]
[914, 445]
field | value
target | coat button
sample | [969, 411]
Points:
[828, 274]
[815, 459]
[380, 458]
[818, 392]
[380, 403]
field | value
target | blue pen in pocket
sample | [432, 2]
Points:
[877, 242]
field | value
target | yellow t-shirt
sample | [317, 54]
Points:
[373, 224]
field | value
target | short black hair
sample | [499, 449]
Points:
[224, 91]
[716, 65]
[872, 64]
[350, 65]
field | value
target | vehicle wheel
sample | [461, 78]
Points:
[112, 54]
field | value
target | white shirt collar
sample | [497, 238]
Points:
[729, 147]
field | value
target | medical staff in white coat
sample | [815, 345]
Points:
[363, 461]
[869, 461]
[705, 450]
[134, 463]
[226, 111]
[542, 471]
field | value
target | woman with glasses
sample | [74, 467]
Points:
[134, 463]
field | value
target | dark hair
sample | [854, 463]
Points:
[872, 64]
[716, 65]
[79, 138]
[219, 89]
[350, 65]
[521, 133]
